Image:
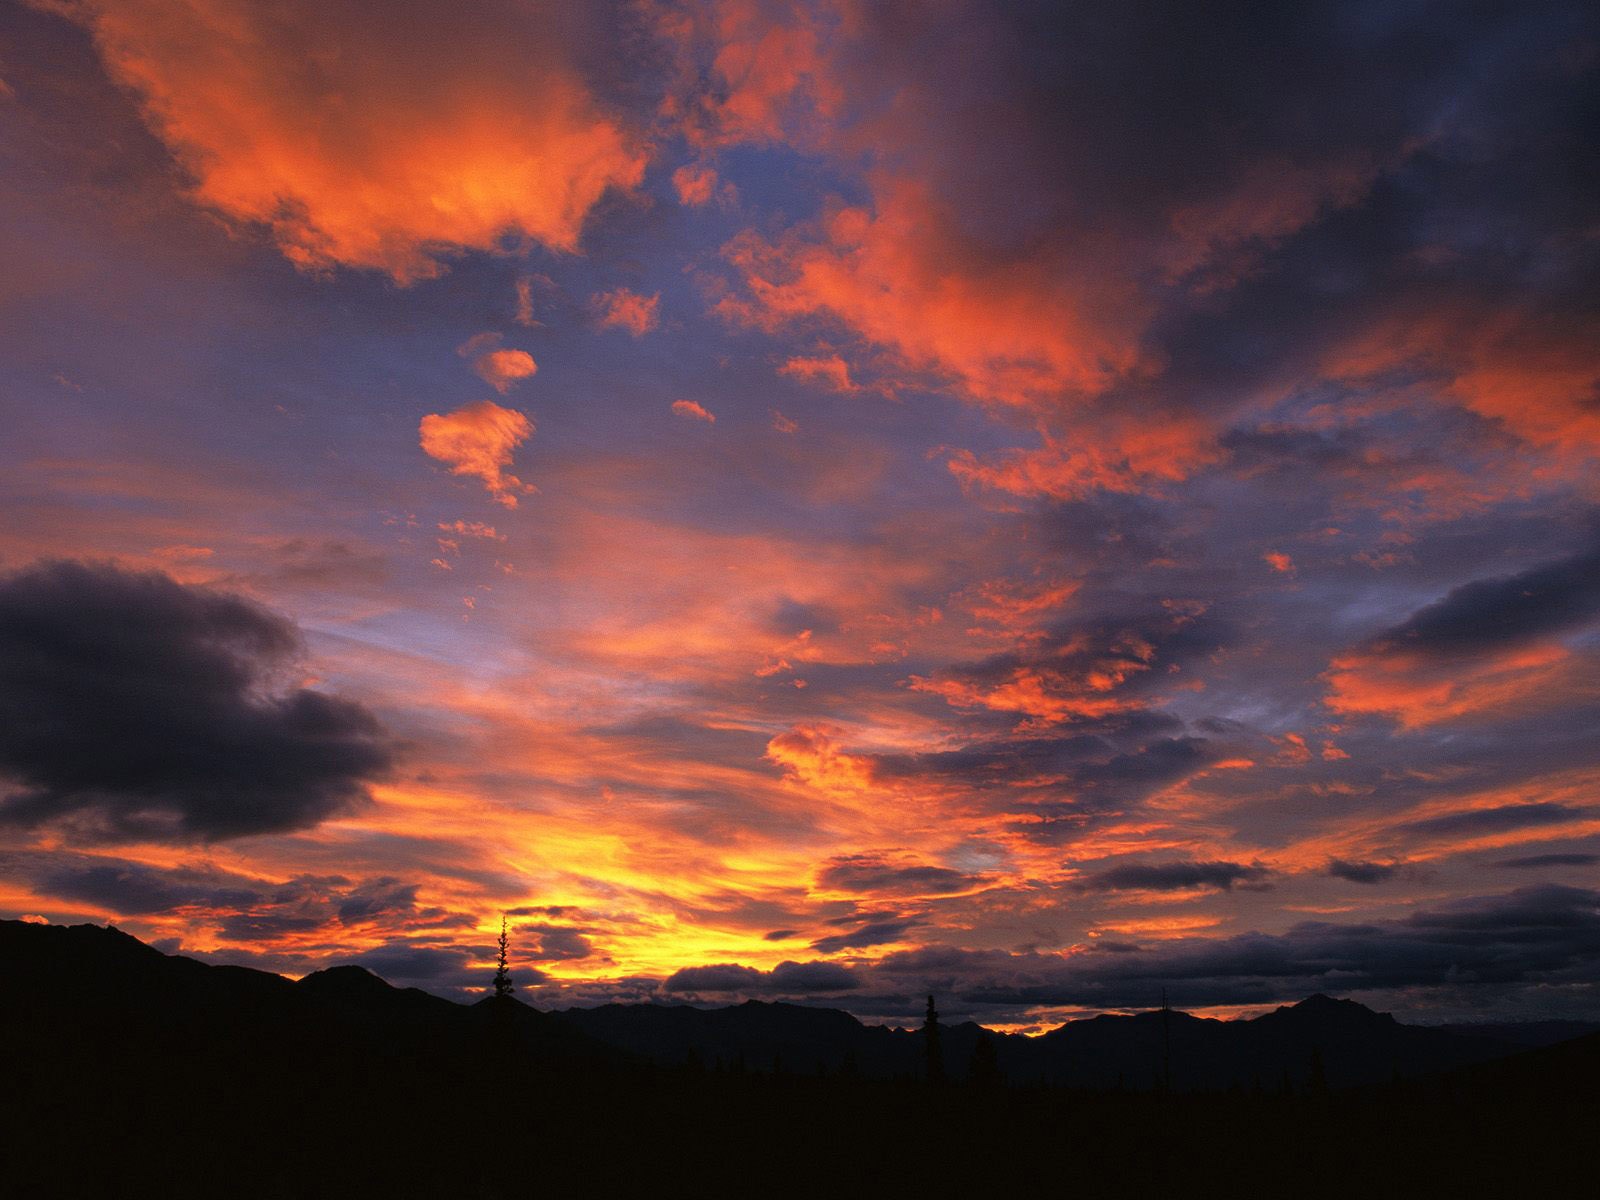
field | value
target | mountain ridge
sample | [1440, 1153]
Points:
[1152, 1050]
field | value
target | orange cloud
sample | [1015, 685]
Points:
[383, 144]
[625, 309]
[1417, 691]
[1279, 561]
[831, 371]
[1013, 607]
[497, 367]
[809, 755]
[783, 424]
[478, 440]
[1213, 239]
[751, 72]
[476, 529]
[1042, 696]
[1122, 453]
[696, 184]
[502, 368]
[697, 412]
[1535, 374]
[1016, 332]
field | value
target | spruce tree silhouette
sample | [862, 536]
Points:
[503, 987]
[931, 1046]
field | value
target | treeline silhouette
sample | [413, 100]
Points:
[128, 1072]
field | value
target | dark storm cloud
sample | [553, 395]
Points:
[1364, 872]
[1093, 658]
[133, 888]
[1176, 876]
[405, 961]
[1057, 784]
[812, 977]
[715, 977]
[1545, 934]
[265, 927]
[245, 912]
[1497, 820]
[1535, 861]
[551, 943]
[378, 898]
[1129, 776]
[787, 978]
[874, 934]
[1491, 613]
[867, 873]
[132, 706]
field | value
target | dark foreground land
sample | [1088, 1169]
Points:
[128, 1073]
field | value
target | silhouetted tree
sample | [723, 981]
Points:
[503, 987]
[984, 1070]
[931, 1046]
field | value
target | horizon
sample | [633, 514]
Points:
[468, 998]
[829, 502]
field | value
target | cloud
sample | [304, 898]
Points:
[410, 963]
[695, 183]
[1547, 934]
[716, 977]
[478, 440]
[1491, 645]
[1541, 939]
[694, 410]
[1492, 613]
[134, 707]
[1045, 250]
[812, 977]
[626, 309]
[497, 367]
[1176, 876]
[873, 874]
[501, 368]
[553, 943]
[1535, 861]
[874, 933]
[131, 889]
[1086, 668]
[1364, 872]
[787, 978]
[386, 145]
[1498, 820]
[472, 529]
[1526, 365]
[831, 371]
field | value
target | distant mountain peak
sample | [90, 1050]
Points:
[1326, 1009]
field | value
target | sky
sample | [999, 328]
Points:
[1037, 503]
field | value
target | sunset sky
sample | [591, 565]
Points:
[1038, 503]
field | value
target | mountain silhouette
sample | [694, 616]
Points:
[350, 1006]
[132, 1072]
